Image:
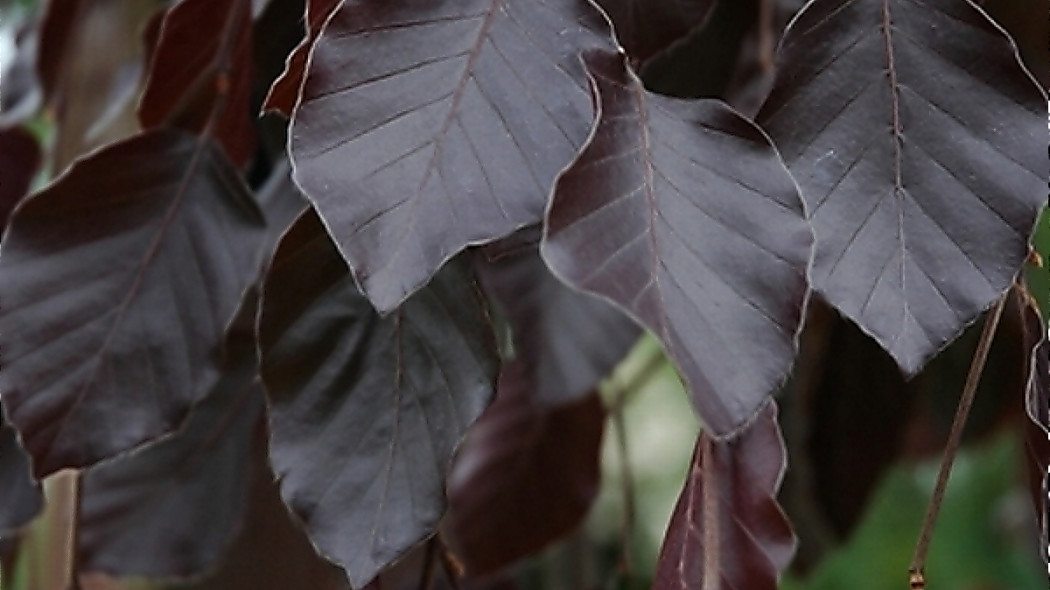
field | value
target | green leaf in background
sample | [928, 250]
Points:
[1038, 279]
[985, 537]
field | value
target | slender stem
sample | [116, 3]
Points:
[710, 516]
[917, 577]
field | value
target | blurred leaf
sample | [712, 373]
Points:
[916, 138]
[116, 284]
[366, 410]
[284, 93]
[525, 476]
[681, 213]
[647, 27]
[567, 341]
[19, 162]
[727, 522]
[20, 495]
[201, 74]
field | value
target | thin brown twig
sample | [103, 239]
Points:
[74, 529]
[916, 574]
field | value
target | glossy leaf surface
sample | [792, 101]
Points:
[116, 285]
[367, 410]
[429, 126]
[727, 522]
[526, 475]
[203, 63]
[681, 213]
[917, 140]
[566, 340]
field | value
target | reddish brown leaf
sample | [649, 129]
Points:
[284, 93]
[426, 127]
[202, 69]
[20, 495]
[1037, 427]
[647, 27]
[681, 213]
[727, 523]
[525, 476]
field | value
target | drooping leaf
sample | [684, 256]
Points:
[425, 127]
[682, 214]
[20, 495]
[917, 141]
[19, 162]
[647, 27]
[116, 284]
[566, 340]
[1037, 427]
[170, 510]
[285, 90]
[203, 64]
[526, 475]
[727, 522]
[367, 410]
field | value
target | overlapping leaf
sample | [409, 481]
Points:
[727, 522]
[20, 495]
[116, 285]
[284, 92]
[367, 410]
[647, 27]
[917, 140]
[425, 127]
[682, 214]
[525, 476]
[203, 63]
[170, 509]
[566, 340]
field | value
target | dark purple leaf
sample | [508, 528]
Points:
[427, 126]
[285, 90]
[201, 74]
[566, 340]
[367, 410]
[19, 162]
[525, 477]
[647, 27]
[20, 495]
[1037, 427]
[171, 509]
[681, 213]
[727, 522]
[116, 285]
[917, 141]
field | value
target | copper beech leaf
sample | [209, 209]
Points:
[727, 530]
[647, 27]
[567, 341]
[681, 213]
[425, 127]
[117, 282]
[20, 160]
[917, 140]
[284, 92]
[366, 410]
[525, 476]
[201, 69]
[20, 495]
